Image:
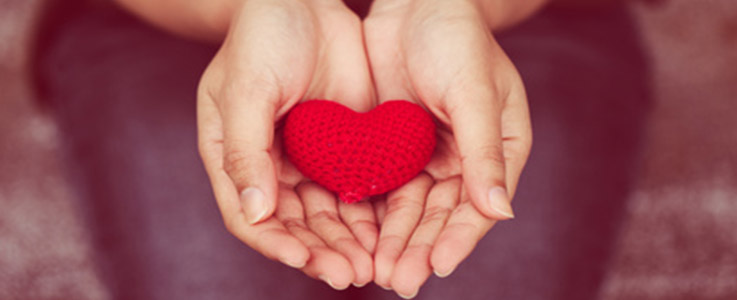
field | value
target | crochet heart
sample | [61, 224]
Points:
[358, 155]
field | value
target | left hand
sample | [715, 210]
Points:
[442, 55]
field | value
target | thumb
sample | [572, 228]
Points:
[248, 134]
[476, 124]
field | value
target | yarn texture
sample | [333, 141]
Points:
[358, 155]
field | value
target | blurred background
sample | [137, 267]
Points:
[680, 236]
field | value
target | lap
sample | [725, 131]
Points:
[124, 95]
[586, 83]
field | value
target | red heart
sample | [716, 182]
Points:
[357, 155]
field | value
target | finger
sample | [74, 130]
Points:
[404, 209]
[465, 227]
[361, 220]
[413, 267]
[322, 218]
[517, 132]
[248, 112]
[269, 238]
[475, 119]
[325, 264]
[379, 208]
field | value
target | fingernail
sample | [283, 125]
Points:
[386, 288]
[445, 274]
[254, 204]
[330, 283]
[293, 264]
[409, 296]
[499, 202]
[360, 285]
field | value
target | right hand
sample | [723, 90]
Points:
[277, 53]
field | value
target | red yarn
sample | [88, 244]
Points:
[357, 155]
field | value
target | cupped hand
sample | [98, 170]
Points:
[277, 53]
[442, 55]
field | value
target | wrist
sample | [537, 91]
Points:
[224, 20]
[502, 14]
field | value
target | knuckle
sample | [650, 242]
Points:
[205, 154]
[344, 242]
[492, 153]
[519, 151]
[240, 166]
[524, 151]
[419, 247]
[469, 227]
[294, 223]
[325, 216]
[206, 151]
[527, 142]
[368, 224]
[392, 238]
[236, 162]
[436, 214]
[399, 203]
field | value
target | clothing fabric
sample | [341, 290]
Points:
[124, 95]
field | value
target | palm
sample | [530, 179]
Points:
[403, 251]
[281, 52]
[444, 62]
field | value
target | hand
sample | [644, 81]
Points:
[276, 53]
[442, 55]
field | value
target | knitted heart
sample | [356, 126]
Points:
[357, 155]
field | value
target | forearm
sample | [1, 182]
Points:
[203, 20]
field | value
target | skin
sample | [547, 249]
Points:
[441, 55]
[276, 54]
